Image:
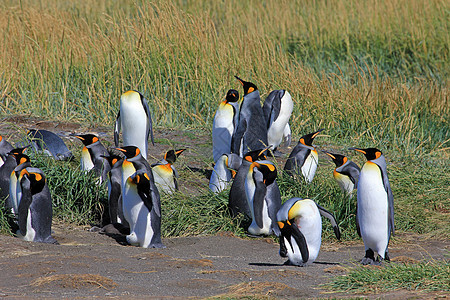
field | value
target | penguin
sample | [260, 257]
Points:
[5, 175]
[135, 121]
[114, 184]
[277, 109]
[287, 136]
[237, 201]
[142, 210]
[15, 190]
[35, 207]
[93, 156]
[50, 143]
[164, 172]
[375, 206]
[346, 172]
[304, 159]
[263, 196]
[224, 124]
[301, 230]
[5, 148]
[224, 170]
[251, 132]
[133, 162]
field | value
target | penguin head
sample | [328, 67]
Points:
[338, 159]
[370, 153]
[255, 155]
[309, 138]
[232, 96]
[171, 155]
[268, 170]
[248, 86]
[131, 96]
[87, 139]
[129, 151]
[37, 180]
[21, 158]
[112, 158]
[17, 151]
[141, 181]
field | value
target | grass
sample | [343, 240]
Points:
[428, 276]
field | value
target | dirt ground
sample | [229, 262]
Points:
[89, 264]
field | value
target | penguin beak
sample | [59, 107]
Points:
[358, 149]
[329, 154]
[240, 80]
[178, 152]
[317, 132]
[77, 136]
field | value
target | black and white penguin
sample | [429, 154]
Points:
[5, 148]
[5, 175]
[114, 184]
[135, 121]
[164, 172]
[251, 132]
[346, 172]
[264, 197]
[237, 200]
[50, 143]
[35, 207]
[301, 230]
[93, 156]
[304, 159]
[15, 190]
[142, 210]
[375, 206]
[277, 109]
[224, 170]
[224, 124]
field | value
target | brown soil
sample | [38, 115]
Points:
[89, 264]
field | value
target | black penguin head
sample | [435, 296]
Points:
[268, 170]
[37, 181]
[232, 96]
[21, 158]
[112, 158]
[129, 151]
[309, 138]
[171, 155]
[17, 151]
[338, 159]
[87, 139]
[248, 86]
[255, 155]
[370, 153]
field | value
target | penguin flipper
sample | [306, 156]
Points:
[330, 216]
[237, 138]
[301, 241]
[117, 130]
[258, 198]
[388, 190]
[150, 124]
[24, 205]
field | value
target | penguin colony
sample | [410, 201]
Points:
[244, 135]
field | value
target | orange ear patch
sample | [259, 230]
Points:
[94, 139]
[38, 176]
[345, 159]
[280, 224]
[250, 89]
[377, 154]
[146, 176]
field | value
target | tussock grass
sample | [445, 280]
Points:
[422, 276]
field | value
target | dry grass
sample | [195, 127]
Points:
[75, 281]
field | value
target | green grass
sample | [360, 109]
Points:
[428, 276]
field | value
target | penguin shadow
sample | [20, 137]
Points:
[287, 263]
[116, 231]
[266, 264]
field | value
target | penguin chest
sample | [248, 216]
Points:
[164, 178]
[220, 177]
[276, 130]
[14, 188]
[344, 182]
[222, 131]
[135, 124]
[310, 166]
[86, 162]
[372, 208]
[250, 189]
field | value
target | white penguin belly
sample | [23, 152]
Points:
[267, 222]
[220, 176]
[13, 188]
[134, 126]
[222, 131]
[310, 166]
[86, 163]
[29, 236]
[164, 179]
[344, 182]
[138, 216]
[275, 132]
[373, 209]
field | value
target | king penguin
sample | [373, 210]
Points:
[93, 156]
[301, 230]
[237, 201]
[5, 175]
[277, 110]
[224, 170]
[50, 143]
[375, 206]
[5, 147]
[35, 208]
[251, 132]
[224, 124]
[135, 120]
[114, 184]
[142, 210]
[263, 196]
[164, 172]
[346, 172]
[304, 159]
[15, 190]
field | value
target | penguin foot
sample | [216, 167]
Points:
[367, 261]
[95, 229]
